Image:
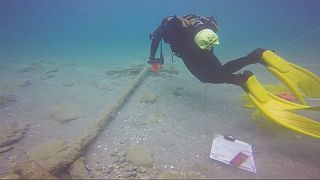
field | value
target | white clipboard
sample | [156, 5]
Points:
[224, 150]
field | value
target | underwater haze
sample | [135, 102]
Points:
[78, 98]
[94, 27]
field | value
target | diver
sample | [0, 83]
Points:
[192, 38]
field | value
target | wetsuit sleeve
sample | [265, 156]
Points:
[156, 37]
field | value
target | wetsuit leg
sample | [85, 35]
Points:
[236, 65]
[208, 69]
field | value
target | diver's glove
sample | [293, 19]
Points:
[256, 55]
[155, 64]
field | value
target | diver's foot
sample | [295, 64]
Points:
[256, 56]
[242, 78]
[246, 75]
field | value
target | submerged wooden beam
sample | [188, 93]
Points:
[64, 158]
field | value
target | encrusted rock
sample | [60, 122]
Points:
[11, 175]
[68, 84]
[25, 83]
[121, 153]
[24, 68]
[131, 71]
[155, 117]
[11, 133]
[52, 70]
[115, 166]
[5, 149]
[128, 174]
[29, 169]
[121, 160]
[50, 154]
[78, 169]
[148, 96]
[110, 166]
[6, 100]
[130, 168]
[170, 70]
[114, 159]
[47, 76]
[115, 153]
[141, 170]
[107, 170]
[64, 112]
[140, 156]
[98, 168]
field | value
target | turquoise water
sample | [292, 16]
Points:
[97, 28]
[58, 54]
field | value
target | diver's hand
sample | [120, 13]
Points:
[256, 54]
[155, 65]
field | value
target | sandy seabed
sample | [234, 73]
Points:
[61, 100]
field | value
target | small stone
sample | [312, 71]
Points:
[175, 93]
[24, 68]
[139, 123]
[107, 170]
[128, 174]
[130, 168]
[115, 166]
[117, 172]
[6, 100]
[67, 84]
[47, 77]
[141, 170]
[98, 173]
[99, 168]
[52, 70]
[148, 97]
[140, 156]
[115, 159]
[64, 112]
[123, 165]
[11, 133]
[121, 153]
[114, 153]
[110, 166]
[121, 160]
[25, 83]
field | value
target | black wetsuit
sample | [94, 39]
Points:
[203, 64]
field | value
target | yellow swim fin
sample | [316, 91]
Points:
[300, 81]
[280, 110]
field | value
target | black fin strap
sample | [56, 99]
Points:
[161, 54]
